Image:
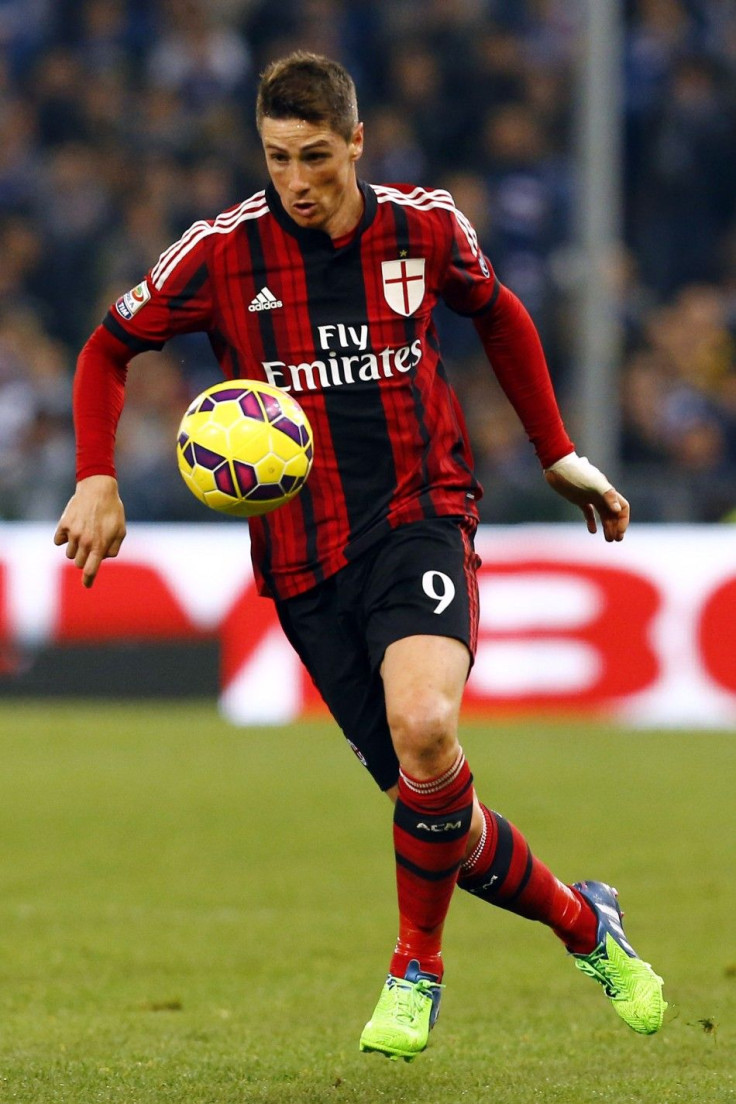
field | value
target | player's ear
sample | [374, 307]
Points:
[355, 145]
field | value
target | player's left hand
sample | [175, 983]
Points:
[577, 480]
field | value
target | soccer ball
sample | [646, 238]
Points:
[244, 448]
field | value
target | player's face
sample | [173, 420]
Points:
[313, 170]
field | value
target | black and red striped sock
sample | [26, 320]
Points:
[431, 825]
[503, 871]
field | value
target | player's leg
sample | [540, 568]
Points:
[326, 628]
[423, 679]
[421, 630]
[501, 868]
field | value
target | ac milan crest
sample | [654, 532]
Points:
[403, 284]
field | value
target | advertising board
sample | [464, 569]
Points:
[643, 631]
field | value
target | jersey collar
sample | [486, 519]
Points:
[318, 239]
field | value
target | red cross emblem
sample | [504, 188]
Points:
[403, 284]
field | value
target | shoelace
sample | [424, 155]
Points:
[592, 966]
[409, 998]
[599, 966]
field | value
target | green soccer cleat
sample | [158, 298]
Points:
[404, 1016]
[634, 989]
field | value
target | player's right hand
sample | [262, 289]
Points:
[92, 525]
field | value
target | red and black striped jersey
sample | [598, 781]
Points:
[347, 329]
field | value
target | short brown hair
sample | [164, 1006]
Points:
[310, 87]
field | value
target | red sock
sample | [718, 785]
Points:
[503, 871]
[431, 825]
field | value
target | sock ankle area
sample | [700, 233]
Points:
[579, 931]
[419, 946]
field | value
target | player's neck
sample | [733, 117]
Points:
[348, 215]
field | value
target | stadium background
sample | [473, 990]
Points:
[121, 121]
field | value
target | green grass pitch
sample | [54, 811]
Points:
[195, 913]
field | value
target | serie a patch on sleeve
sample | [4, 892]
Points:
[130, 303]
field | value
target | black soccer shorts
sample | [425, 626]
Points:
[419, 580]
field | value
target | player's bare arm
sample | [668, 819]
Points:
[581, 483]
[92, 525]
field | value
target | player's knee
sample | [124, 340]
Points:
[424, 732]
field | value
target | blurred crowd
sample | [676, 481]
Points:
[121, 121]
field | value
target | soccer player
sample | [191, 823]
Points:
[324, 285]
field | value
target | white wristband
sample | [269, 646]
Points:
[579, 472]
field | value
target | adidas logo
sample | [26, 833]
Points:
[264, 300]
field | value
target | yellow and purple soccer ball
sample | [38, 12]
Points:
[244, 448]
